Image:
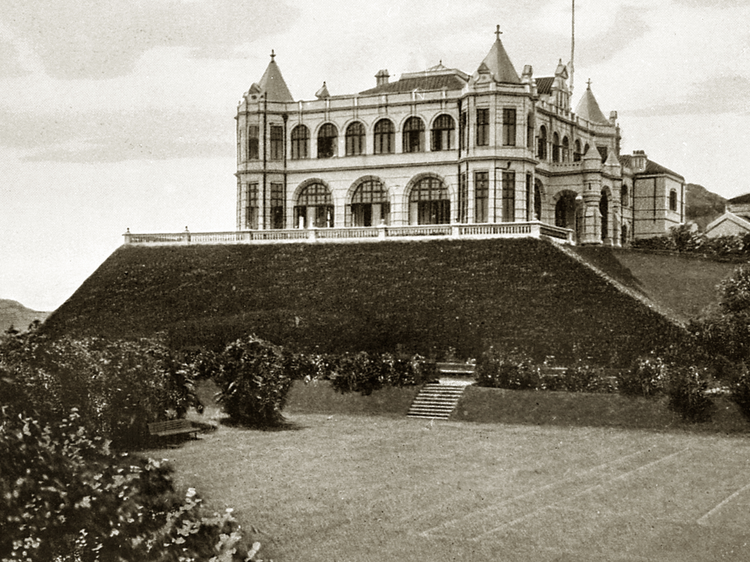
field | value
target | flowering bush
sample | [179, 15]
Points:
[646, 377]
[64, 496]
[364, 373]
[514, 371]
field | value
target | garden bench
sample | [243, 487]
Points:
[451, 368]
[172, 427]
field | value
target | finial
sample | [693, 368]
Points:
[588, 84]
[273, 55]
[498, 33]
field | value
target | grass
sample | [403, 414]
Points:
[422, 297]
[359, 488]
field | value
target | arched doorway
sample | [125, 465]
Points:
[429, 202]
[369, 204]
[314, 207]
[537, 200]
[565, 210]
[604, 210]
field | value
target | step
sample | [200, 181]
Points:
[436, 401]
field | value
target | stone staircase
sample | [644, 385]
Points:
[437, 400]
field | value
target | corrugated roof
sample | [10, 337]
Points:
[544, 85]
[272, 84]
[421, 81]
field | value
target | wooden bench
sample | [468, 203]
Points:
[172, 427]
[456, 369]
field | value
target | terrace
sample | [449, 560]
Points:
[532, 229]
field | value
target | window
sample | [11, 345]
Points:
[555, 147]
[314, 207]
[541, 149]
[624, 195]
[509, 196]
[565, 156]
[251, 206]
[529, 201]
[413, 135]
[463, 198]
[509, 126]
[604, 210]
[463, 130]
[277, 205]
[384, 137]
[300, 142]
[429, 202]
[327, 137]
[370, 205]
[537, 200]
[602, 152]
[253, 144]
[673, 200]
[483, 127]
[277, 142]
[442, 133]
[530, 131]
[481, 196]
[355, 139]
[577, 151]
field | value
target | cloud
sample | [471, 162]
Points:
[137, 134]
[98, 39]
[716, 95]
[628, 26]
[712, 3]
[10, 65]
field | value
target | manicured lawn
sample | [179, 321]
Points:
[359, 487]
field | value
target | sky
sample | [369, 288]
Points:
[119, 115]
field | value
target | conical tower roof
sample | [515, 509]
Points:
[498, 62]
[588, 108]
[272, 84]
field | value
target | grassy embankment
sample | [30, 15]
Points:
[423, 297]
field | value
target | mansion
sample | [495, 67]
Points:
[443, 147]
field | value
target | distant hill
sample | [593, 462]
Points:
[703, 206]
[425, 297]
[15, 314]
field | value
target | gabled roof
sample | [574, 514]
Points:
[544, 85]
[588, 108]
[739, 223]
[435, 78]
[498, 62]
[272, 84]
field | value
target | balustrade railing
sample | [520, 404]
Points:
[532, 229]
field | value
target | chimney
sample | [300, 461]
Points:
[382, 78]
[639, 161]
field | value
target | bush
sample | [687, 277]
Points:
[64, 496]
[585, 378]
[646, 377]
[254, 380]
[686, 389]
[514, 371]
[739, 389]
[365, 373]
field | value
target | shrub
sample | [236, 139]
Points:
[365, 373]
[513, 371]
[65, 496]
[582, 377]
[254, 382]
[686, 389]
[739, 390]
[646, 377]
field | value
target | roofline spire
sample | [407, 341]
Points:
[273, 55]
[498, 33]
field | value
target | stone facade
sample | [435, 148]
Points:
[441, 146]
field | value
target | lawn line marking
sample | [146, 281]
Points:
[587, 490]
[560, 482]
[702, 520]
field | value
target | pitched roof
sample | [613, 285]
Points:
[652, 168]
[588, 108]
[740, 199]
[272, 84]
[544, 85]
[450, 79]
[498, 61]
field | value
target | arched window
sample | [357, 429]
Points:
[537, 200]
[370, 205]
[300, 142]
[577, 151]
[673, 200]
[429, 202]
[314, 207]
[541, 149]
[327, 141]
[604, 210]
[443, 130]
[384, 137]
[555, 147]
[624, 195]
[565, 149]
[355, 139]
[414, 135]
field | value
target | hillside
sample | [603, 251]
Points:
[421, 297]
[14, 314]
[703, 206]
